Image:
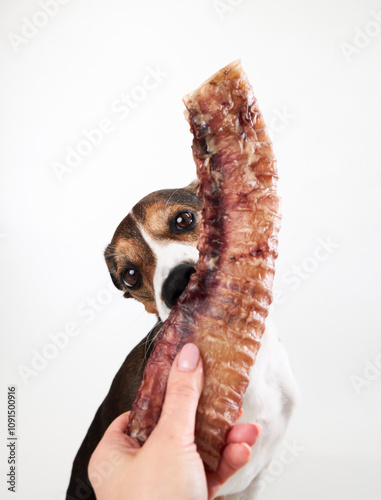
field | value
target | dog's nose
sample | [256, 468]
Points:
[175, 283]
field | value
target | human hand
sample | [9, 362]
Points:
[168, 466]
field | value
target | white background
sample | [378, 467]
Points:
[323, 108]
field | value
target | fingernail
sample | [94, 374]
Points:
[258, 429]
[188, 358]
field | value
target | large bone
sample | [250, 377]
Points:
[226, 302]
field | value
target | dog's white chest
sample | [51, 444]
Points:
[268, 401]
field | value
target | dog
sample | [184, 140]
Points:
[151, 258]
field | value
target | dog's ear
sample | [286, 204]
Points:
[109, 255]
[193, 187]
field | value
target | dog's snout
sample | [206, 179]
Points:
[176, 282]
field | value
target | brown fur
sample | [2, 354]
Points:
[128, 247]
[153, 213]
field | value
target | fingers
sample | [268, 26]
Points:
[244, 433]
[235, 455]
[238, 449]
[183, 392]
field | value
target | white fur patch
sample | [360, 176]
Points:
[269, 401]
[168, 256]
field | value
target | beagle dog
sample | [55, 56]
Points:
[150, 258]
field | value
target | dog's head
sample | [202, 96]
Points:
[153, 251]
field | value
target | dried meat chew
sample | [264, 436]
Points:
[224, 306]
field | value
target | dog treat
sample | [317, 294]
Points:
[224, 307]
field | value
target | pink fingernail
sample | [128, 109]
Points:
[188, 358]
[258, 428]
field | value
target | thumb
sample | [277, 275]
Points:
[183, 391]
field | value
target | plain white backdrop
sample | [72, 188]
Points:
[315, 68]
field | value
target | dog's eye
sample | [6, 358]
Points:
[131, 277]
[184, 220]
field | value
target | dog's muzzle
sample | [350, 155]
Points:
[176, 282]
